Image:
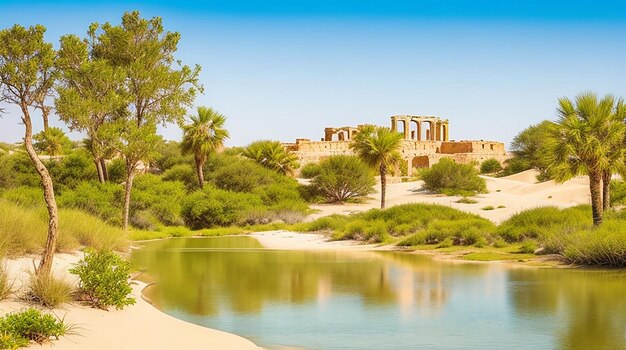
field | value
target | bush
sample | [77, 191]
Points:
[602, 246]
[25, 196]
[19, 328]
[161, 199]
[47, 290]
[544, 223]
[116, 169]
[528, 247]
[214, 207]
[104, 279]
[618, 192]
[18, 170]
[342, 178]
[184, 173]
[102, 200]
[490, 166]
[73, 169]
[451, 178]
[310, 170]
[239, 174]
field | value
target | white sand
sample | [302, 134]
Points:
[142, 326]
[516, 193]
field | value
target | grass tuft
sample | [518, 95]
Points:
[48, 291]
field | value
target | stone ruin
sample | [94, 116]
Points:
[426, 141]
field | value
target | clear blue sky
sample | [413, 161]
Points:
[287, 69]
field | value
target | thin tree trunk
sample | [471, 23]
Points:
[595, 188]
[606, 190]
[200, 171]
[105, 172]
[45, 265]
[99, 170]
[130, 176]
[383, 185]
[45, 112]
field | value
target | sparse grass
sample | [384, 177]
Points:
[466, 200]
[47, 290]
[501, 206]
[6, 286]
[489, 207]
[495, 256]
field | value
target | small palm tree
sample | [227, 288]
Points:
[379, 148]
[587, 140]
[52, 142]
[272, 155]
[205, 135]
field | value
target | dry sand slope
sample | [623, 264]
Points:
[516, 193]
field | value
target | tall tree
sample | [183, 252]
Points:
[583, 143]
[26, 71]
[90, 95]
[272, 155]
[158, 87]
[379, 148]
[205, 135]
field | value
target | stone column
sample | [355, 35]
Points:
[419, 130]
[406, 129]
[394, 124]
[328, 134]
[438, 136]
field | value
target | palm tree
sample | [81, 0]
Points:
[379, 148]
[52, 142]
[205, 135]
[587, 140]
[272, 155]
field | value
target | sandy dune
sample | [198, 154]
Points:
[516, 193]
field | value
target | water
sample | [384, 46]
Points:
[381, 300]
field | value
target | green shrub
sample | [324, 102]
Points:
[214, 207]
[544, 223]
[331, 223]
[104, 279]
[88, 231]
[18, 170]
[499, 243]
[376, 232]
[446, 243]
[102, 200]
[310, 170]
[488, 207]
[25, 196]
[466, 200]
[528, 247]
[515, 165]
[618, 192]
[601, 246]
[342, 178]
[451, 178]
[73, 169]
[116, 170]
[162, 199]
[28, 325]
[184, 173]
[417, 238]
[48, 291]
[170, 156]
[490, 166]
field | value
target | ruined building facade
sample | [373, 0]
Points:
[426, 141]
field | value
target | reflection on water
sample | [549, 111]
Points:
[381, 300]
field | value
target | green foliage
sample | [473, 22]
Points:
[104, 279]
[272, 155]
[543, 223]
[117, 171]
[451, 178]
[161, 199]
[47, 290]
[490, 166]
[618, 192]
[52, 142]
[528, 147]
[182, 173]
[71, 170]
[214, 207]
[171, 156]
[488, 207]
[601, 246]
[310, 170]
[17, 329]
[18, 170]
[528, 247]
[25, 196]
[101, 200]
[342, 178]
[466, 200]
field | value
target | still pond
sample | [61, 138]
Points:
[380, 300]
